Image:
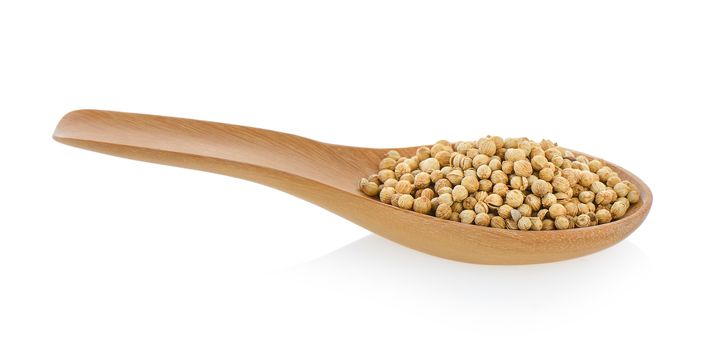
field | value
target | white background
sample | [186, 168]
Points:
[98, 252]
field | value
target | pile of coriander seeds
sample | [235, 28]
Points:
[512, 183]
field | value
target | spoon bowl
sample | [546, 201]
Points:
[327, 175]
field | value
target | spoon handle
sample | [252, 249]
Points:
[268, 157]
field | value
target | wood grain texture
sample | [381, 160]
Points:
[327, 175]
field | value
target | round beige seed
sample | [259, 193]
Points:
[613, 180]
[444, 211]
[369, 188]
[394, 198]
[485, 185]
[523, 168]
[500, 189]
[405, 201]
[538, 162]
[494, 200]
[633, 196]
[504, 211]
[385, 174]
[422, 180]
[562, 222]
[497, 222]
[446, 198]
[621, 189]
[401, 169]
[560, 184]
[404, 187]
[482, 219]
[536, 223]
[586, 178]
[429, 165]
[514, 154]
[498, 176]
[548, 225]
[586, 196]
[483, 172]
[603, 216]
[386, 194]
[540, 188]
[524, 223]
[618, 210]
[409, 177]
[481, 207]
[525, 209]
[471, 183]
[422, 153]
[427, 193]
[605, 197]
[515, 215]
[597, 187]
[441, 183]
[393, 154]
[487, 147]
[467, 216]
[548, 200]
[582, 220]
[556, 210]
[455, 176]
[443, 158]
[422, 205]
[459, 193]
[387, 163]
[595, 165]
[546, 174]
[514, 198]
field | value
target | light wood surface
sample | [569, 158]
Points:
[327, 175]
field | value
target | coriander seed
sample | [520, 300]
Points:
[621, 189]
[562, 222]
[497, 222]
[603, 216]
[368, 187]
[422, 180]
[524, 223]
[582, 220]
[487, 147]
[422, 205]
[618, 210]
[523, 168]
[500, 189]
[556, 210]
[541, 188]
[546, 174]
[467, 216]
[455, 176]
[405, 201]
[483, 172]
[548, 200]
[514, 198]
[444, 211]
[429, 165]
[482, 219]
[386, 194]
[633, 196]
[459, 193]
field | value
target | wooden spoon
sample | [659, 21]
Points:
[327, 175]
